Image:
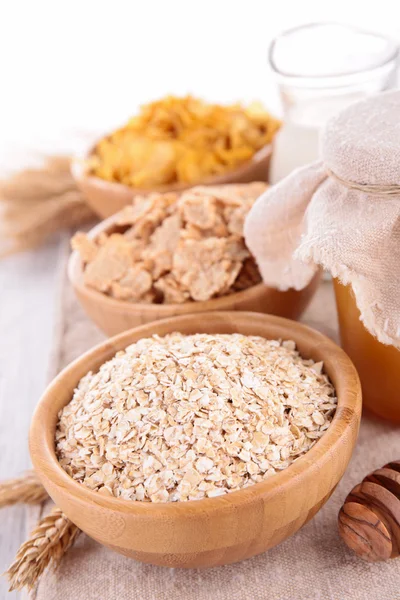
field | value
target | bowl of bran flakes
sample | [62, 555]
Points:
[174, 254]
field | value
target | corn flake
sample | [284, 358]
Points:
[181, 140]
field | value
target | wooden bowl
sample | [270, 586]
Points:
[106, 198]
[114, 316]
[213, 531]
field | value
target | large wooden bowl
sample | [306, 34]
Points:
[214, 531]
[114, 316]
[106, 198]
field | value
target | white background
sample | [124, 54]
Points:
[83, 65]
[77, 67]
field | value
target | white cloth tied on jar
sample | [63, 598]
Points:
[341, 213]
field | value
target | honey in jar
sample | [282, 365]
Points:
[378, 365]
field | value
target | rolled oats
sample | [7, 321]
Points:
[180, 418]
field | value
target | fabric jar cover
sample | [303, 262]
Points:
[341, 213]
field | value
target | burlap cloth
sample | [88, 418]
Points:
[343, 213]
[314, 564]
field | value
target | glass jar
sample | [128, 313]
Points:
[320, 69]
[378, 365]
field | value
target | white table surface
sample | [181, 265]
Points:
[28, 286]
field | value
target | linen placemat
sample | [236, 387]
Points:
[314, 564]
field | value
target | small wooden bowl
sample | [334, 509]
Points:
[214, 531]
[114, 316]
[106, 198]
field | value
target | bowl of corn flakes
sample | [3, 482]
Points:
[175, 253]
[173, 144]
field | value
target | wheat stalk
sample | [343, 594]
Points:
[26, 489]
[35, 203]
[47, 544]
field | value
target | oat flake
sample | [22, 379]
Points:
[180, 418]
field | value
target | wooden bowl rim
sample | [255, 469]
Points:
[75, 275]
[346, 418]
[78, 171]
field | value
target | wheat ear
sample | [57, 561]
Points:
[26, 489]
[47, 544]
[35, 203]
